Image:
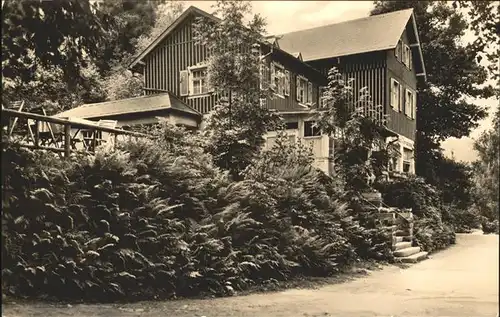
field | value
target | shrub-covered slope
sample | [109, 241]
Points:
[157, 219]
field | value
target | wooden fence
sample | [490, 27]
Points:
[58, 135]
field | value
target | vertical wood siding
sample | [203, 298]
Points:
[374, 70]
[175, 53]
[179, 51]
[366, 70]
[398, 121]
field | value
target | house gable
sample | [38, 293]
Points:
[370, 34]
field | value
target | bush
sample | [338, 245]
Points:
[432, 234]
[490, 226]
[143, 222]
[464, 221]
[412, 192]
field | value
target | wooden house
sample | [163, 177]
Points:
[175, 62]
[380, 52]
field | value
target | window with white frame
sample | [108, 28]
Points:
[303, 91]
[410, 103]
[398, 50]
[407, 160]
[310, 129]
[395, 95]
[322, 97]
[407, 56]
[198, 81]
[280, 79]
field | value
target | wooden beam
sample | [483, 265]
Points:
[67, 139]
[14, 113]
[420, 74]
[37, 133]
[415, 45]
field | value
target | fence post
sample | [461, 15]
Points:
[67, 139]
[37, 133]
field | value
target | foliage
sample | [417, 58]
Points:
[235, 128]
[156, 218]
[487, 170]
[485, 23]
[361, 151]
[47, 53]
[464, 221]
[453, 73]
[121, 82]
[129, 21]
[455, 184]
[490, 226]
[432, 235]
[412, 192]
[49, 34]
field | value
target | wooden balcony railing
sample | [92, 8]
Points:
[56, 134]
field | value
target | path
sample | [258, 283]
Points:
[460, 281]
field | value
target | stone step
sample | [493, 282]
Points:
[401, 245]
[406, 252]
[414, 258]
[398, 239]
[401, 232]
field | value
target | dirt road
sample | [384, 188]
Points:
[461, 281]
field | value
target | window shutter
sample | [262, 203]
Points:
[184, 83]
[414, 110]
[287, 83]
[297, 88]
[273, 77]
[401, 98]
[410, 59]
[309, 92]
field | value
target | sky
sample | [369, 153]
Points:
[289, 16]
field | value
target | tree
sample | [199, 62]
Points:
[487, 169]
[453, 75]
[38, 33]
[47, 52]
[129, 20]
[361, 151]
[236, 127]
[121, 82]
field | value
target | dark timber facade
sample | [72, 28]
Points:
[381, 53]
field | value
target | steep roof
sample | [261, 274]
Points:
[155, 102]
[374, 33]
[268, 40]
[168, 30]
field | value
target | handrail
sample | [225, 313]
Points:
[396, 212]
[34, 116]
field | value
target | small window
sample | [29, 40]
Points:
[303, 90]
[410, 103]
[199, 81]
[407, 56]
[292, 125]
[395, 95]
[407, 160]
[397, 51]
[310, 130]
[278, 79]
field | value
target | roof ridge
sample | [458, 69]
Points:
[347, 21]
